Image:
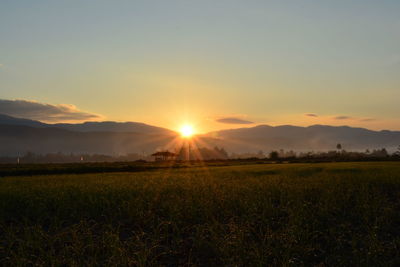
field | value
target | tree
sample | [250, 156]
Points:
[380, 153]
[384, 152]
[274, 155]
[397, 153]
[339, 147]
[222, 153]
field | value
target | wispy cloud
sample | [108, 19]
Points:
[354, 118]
[233, 120]
[339, 117]
[368, 119]
[45, 112]
[343, 118]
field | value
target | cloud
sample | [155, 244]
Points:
[233, 120]
[339, 117]
[354, 118]
[45, 112]
[343, 118]
[368, 119]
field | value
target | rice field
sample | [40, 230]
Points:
[331, 214]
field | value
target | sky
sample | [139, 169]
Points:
[214, 64]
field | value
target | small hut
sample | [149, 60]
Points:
[164, 156]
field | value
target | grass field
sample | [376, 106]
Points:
[336, 214]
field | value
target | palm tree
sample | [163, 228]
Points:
[339, 147]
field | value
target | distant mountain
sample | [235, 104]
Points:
[8, 120]
[17, 140]
[17, 136]
[104, 126]
[316, 137]
[111, 126]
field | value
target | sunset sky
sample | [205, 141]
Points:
[214, 64]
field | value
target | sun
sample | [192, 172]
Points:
[186, 131]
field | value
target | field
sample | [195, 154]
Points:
[330, 214]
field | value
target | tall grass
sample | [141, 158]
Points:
[253, 215]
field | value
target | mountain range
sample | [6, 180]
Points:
[311, 138]
[17, 136]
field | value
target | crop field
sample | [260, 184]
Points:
[330, 214]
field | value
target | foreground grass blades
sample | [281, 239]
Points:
[253, 215]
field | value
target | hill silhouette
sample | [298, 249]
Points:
[17, 136]
[315, 137]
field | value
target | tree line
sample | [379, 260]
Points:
[216, 153]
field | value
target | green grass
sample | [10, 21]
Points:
[338, 214]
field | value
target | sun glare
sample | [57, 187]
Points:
[187, 131]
